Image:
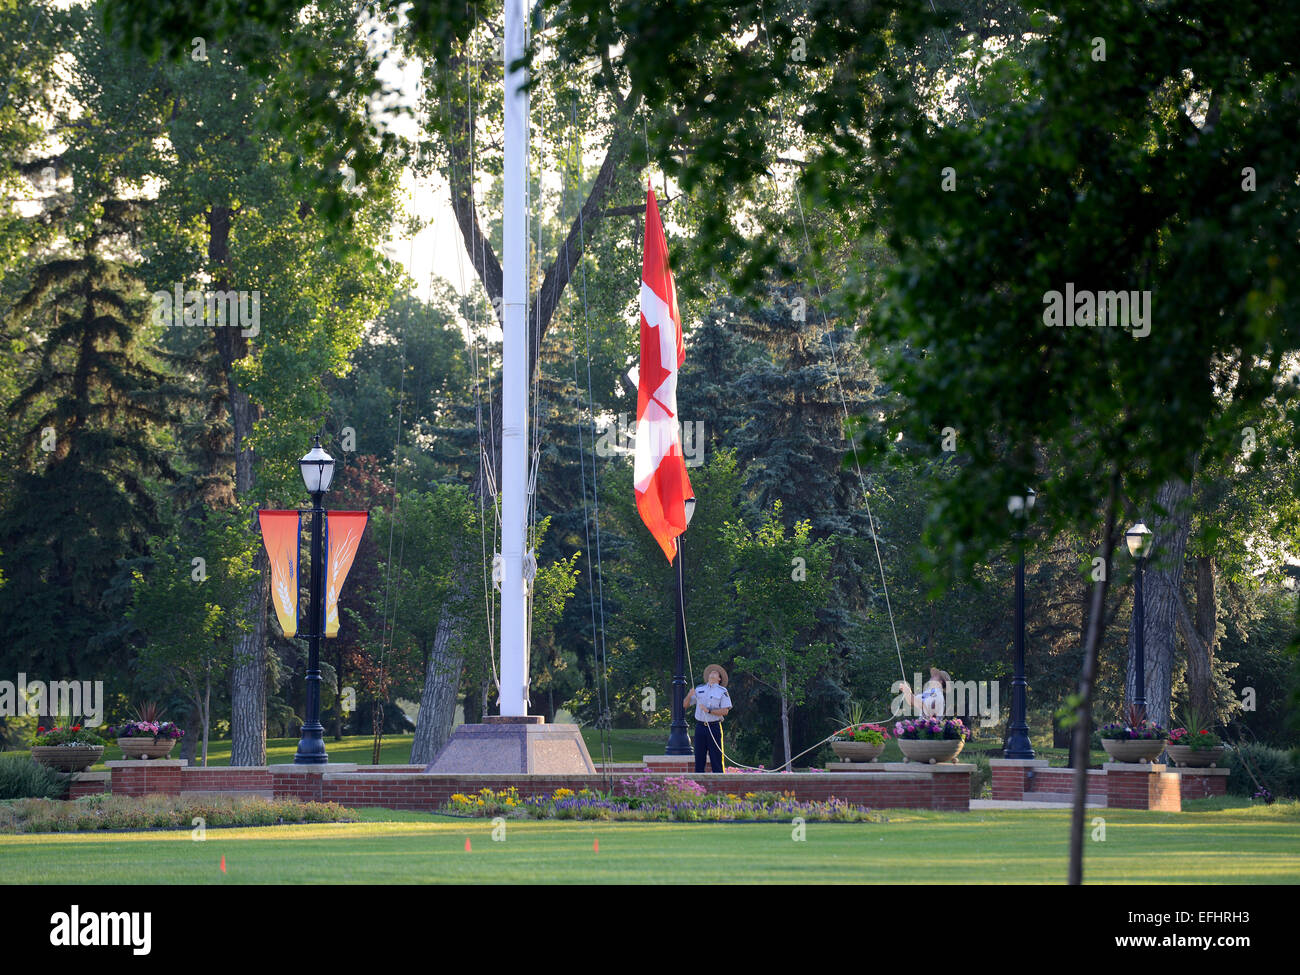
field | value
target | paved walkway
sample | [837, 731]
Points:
[1026, 804]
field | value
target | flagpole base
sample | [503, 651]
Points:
[515, 745]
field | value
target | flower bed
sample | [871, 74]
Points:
[871, 734]
[932, 729]
[1124, 731]
[157, 730]
[678, 800]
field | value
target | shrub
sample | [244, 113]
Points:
[1276, 770]
[982, 777]
[22, 778]
[109, 812]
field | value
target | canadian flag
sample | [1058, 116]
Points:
[659, 470]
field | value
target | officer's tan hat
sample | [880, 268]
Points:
[722, 673]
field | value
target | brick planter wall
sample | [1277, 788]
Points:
[899, 785]
[878, 786]
[142, 778]
[218, 778]
[1061, 780]
[1142, 786]
[1202, 783]
[89, 784]
[948, 789]
[1010, 776]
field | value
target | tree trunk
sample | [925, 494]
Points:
[338, 695]
[785, 716]
[1162, 582]
[438, 700]
[1201, 636]
[207, 717]
[1081, 748]
[248, 674]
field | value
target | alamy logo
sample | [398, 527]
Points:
[1116, 309]
[215, 309]
[21, 698]
[618, 436]
[964, 697]
[104, 929]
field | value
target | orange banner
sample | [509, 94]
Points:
[282, 534]
[343, 530]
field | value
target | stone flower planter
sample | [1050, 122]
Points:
[1135, 750]
[143, 748]
[1189, 757]
[931, 751]
[857, 751]
[67, 758]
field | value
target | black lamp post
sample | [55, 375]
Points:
[1017, 744]
[317, 472]
[679, 738]
[1139, 542]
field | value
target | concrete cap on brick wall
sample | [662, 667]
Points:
[1018, 763]
[1189, 770]
[149, 763]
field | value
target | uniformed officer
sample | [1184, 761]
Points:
[712, 702]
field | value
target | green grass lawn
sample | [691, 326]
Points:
[1211, 842]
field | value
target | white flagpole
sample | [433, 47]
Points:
[514, 393]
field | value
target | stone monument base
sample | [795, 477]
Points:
[523, 745]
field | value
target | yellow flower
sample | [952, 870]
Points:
[562, 794]
[749, 795]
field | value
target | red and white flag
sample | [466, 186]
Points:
[659, 470]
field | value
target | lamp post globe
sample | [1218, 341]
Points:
[317, 469]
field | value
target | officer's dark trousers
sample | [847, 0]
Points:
[708, 740]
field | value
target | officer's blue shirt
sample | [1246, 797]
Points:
[710, 696]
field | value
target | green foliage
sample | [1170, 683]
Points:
[188, 606]
[22, 778]
[1276, 769]
[981, 780]
[1041, 180]
[781, 580]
